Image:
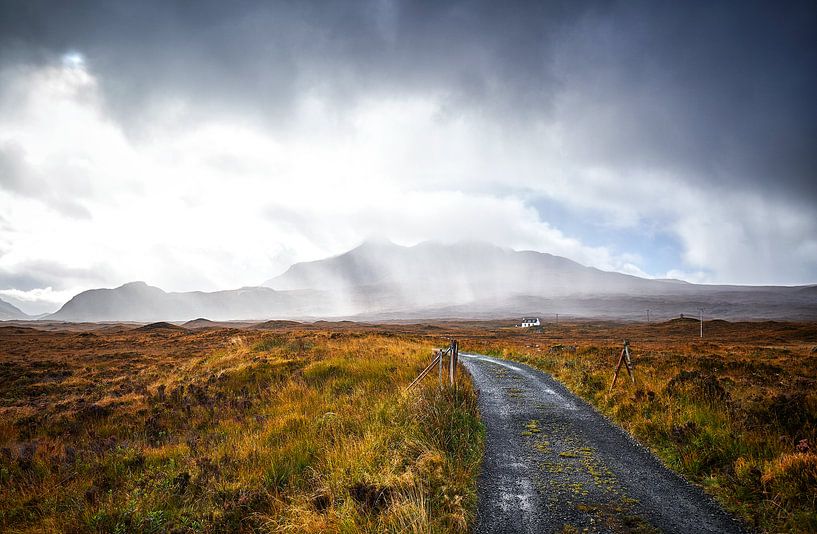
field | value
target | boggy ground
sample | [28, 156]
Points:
[735, 412]
[112, 428]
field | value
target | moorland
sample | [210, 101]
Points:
[158, 428]
[285, 426]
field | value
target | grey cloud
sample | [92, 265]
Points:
[12, 167]
[18, 177]
[37, 274]
[718, 93]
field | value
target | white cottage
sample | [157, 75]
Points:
[527, 322]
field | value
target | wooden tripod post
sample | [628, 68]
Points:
[625, 359]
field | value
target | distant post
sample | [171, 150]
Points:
[701, 311]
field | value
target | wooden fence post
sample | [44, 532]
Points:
[451, 363]
[456, 354]
[625, 359]
[440, 356]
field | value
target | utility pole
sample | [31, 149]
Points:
[557, 319]
[648, 315]
[701, 311]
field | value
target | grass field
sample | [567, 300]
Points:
[305, 427]
[160, 429]
[735, 412]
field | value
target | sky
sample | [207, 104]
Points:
[210, 145]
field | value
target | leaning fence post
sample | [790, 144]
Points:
[453, 356]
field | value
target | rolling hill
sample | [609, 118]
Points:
[9, 312]
[137, 301]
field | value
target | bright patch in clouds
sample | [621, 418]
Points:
[73, 59]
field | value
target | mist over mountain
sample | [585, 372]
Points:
[382, 280]
[430, 272]
[10, 312]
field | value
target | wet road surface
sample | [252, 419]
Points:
[554, 464]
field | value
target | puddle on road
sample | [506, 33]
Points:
[516, 495]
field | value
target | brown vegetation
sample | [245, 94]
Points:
[304, 427]
[163, 429]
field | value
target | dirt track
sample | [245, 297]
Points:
[553, 464]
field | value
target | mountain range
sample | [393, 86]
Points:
[382, 280]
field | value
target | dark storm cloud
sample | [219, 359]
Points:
[717, 93]
[722, 92]
[259, 55]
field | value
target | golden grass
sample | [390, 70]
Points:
[231, 431]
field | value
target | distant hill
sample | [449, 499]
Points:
[137, 301]
[161, 326]
[383, 281]
[201, 322]
[9, 312]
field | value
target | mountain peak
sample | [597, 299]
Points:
[134, 284]
[376, 243]
[138, 287]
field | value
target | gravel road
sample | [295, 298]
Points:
[554, 464]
